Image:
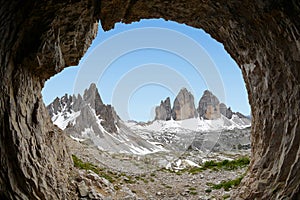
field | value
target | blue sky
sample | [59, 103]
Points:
[136, 66]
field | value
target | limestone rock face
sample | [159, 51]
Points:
[92, 97]
[227, 112]
[209, 106]
[40, 38]
[184, 106]
[164, 110]
[67, 105]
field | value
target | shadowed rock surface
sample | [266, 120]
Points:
[227, 112]
[164, 110]
[40, 38]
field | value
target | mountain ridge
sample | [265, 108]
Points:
[87, 119]
[209, 107]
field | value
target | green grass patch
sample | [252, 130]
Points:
[107, 177]
[193, 192]
[151, 179]
[192, 189]
[145, 181]
[129, 180]
[84, 165]
[89, 166]
[208, 190]
[168, 186]
[225, 164]
[227, 184]
[152, 174]
[195, 170]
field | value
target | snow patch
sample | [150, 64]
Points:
[62, 119]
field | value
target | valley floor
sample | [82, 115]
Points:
[114, 176]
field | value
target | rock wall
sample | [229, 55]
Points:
[164, 110]
[184, 106]
[67, 105]
[227, 112]
[209, 106]
[40, 38]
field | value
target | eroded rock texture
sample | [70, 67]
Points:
[227, 112]
[68, 105]
[164, 110]
[209, 106]
[184, 106]
[40, 38]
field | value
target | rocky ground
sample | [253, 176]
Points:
[100, 175]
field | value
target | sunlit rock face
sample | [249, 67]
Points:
[40, 38]
[209, 106]
[184, 106]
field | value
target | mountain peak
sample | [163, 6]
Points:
[91, 96]
[183, 90]
[66, 107]
[209, 106]
[184, 106]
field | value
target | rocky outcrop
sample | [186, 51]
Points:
[184, 106]
[86, 105]
[37, 41]
[40, 38]
[227, 112]
[209, 106]
[92, 97]
[164, 110]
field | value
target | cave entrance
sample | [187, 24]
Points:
[215, 70]
[261, 36]
[137, 66]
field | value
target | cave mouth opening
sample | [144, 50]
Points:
[137, 74]
[261, 36]
[117, 57]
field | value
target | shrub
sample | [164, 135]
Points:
[84, 165]
[228, 184]
[226, 164]
[208, 190]
[89, 166]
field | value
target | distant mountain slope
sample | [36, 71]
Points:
[86, 119]
[195, 124]
[222, 134]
